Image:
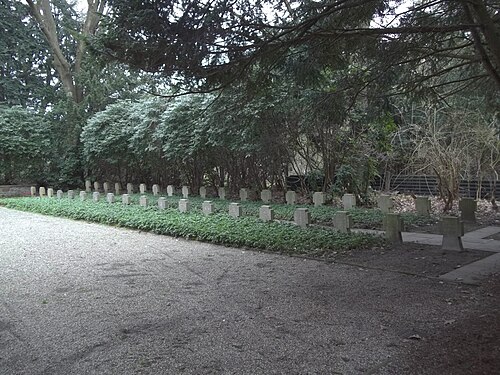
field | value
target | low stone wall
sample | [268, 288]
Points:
[14, 190]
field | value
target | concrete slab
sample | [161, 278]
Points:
[482, 233]
[475, 272]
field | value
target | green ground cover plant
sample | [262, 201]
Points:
[219, 228]
[366, 218]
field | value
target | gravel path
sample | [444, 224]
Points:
[79, 298]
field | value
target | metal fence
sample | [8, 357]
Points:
[428, 185]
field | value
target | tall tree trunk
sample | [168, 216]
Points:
[41, 11]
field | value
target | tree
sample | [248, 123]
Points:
[25, 69]
[25, 146]
[67, 61]
[217, 42]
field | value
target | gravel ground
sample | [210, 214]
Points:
[79, 298]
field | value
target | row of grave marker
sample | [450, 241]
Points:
[302, 217]
[452, 227]
[467, 206]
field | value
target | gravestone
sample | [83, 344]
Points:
[50, 192]
[105, 186]
[126, 200]
[41, 191]
[342, 221]
[33, 191]
[243, 194]
[290, 197]
[266, 213]
[170, 190]
[97, 186]
[156, 189]
[348, 201]
[110, 197]
[88, 186]
[203, 192]
[467, 207]
[423, 206]
[393, 226]
[207, 207]
[235, 210]
[96, 196]
[319, 198]
[142, 188]
[184, 205]
[130, 188]
[302, 217]
[222, 192]
[118, 188]
[83, 195]
[59, 194]
[71, 194]
[143, 201]
[162, 203]
[185, 192]
[452, 229]
[385, 203]
[266, 196]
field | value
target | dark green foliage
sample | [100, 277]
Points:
[219, 228]
[25, 146]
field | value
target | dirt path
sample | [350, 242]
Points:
[78, 298]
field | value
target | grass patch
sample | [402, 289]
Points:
[219, 228]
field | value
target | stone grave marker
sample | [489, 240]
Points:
[243, 194]
[423, 206]
[266, 196]
[170, 190]
[184, 205]
[222, 192]
[266, 213]
[50, 192]
[83, 195]
[235, 210]
[319, 198]
[106, 188]
[96, 196]
[97, 186]
[110, 197]
[126, 199]
[203, 192]
[302, 217]
[208, 208]
[348, 201]
[88, 186]
[156, 189]
[142, 188]
[452, 229]
[143, 201]
[385, 203]
[393, 226]
[71, 194]
[185, 192]
[130, 188]
[162, 203]
[59, 194]
[33, 191]
[290, 197]
[342, 221]
[42, 191]
[118, 188]
[467, 207]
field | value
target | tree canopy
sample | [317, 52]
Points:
[439, 43]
